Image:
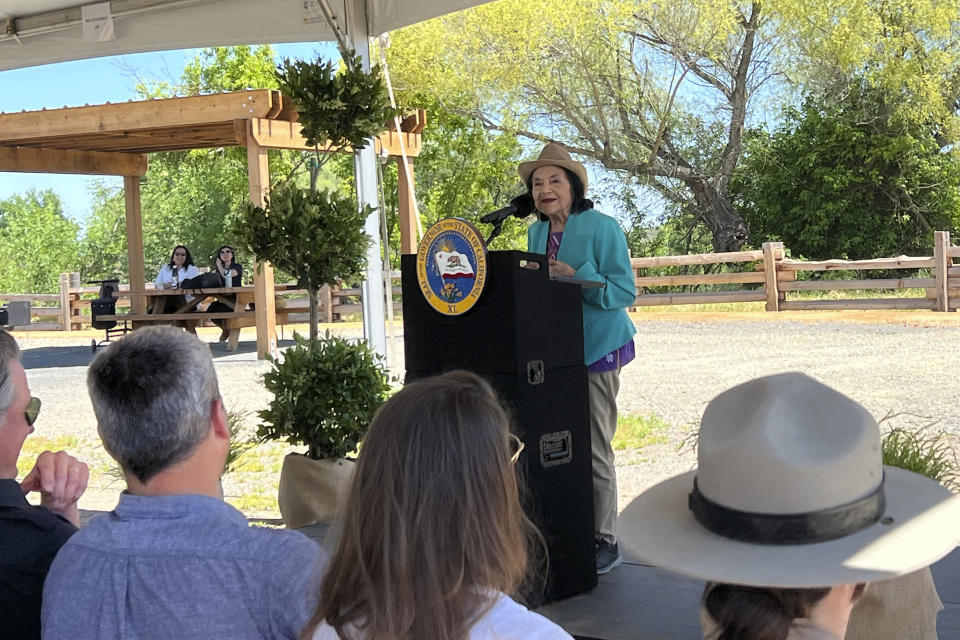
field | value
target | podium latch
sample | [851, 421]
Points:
[535, 372]
[556, 448]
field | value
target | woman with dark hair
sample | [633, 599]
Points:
[583, 243]
[177, 270]
[232, 274]
[790, 513]
[434, 537]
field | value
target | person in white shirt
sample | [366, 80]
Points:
[435, 537]
[177, 270]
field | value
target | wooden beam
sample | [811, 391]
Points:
[127, 116]
[407, 206]
[869, 304]
[698, 258]
[131, 193]
[258, 173]
[92, 163]
[901, 262]
[282, 134]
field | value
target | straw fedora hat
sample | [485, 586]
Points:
[791, 492]
[553, 155]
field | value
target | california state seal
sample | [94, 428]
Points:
[452, 266]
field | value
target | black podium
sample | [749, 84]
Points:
[525, 336]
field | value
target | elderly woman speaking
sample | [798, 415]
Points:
[583, 243]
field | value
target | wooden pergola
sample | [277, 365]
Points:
[114, 139]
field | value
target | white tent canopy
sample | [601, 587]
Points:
[36, 32]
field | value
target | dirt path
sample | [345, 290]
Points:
[891, 362]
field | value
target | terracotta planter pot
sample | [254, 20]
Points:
[311, 490]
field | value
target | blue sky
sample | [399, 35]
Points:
[94, 81]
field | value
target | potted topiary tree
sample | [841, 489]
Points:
[325, 393]
[326, 390]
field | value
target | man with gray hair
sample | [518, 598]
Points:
[173, 560]
[29, 536]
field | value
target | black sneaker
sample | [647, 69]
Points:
[608, 556]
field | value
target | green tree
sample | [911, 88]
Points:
[37, 241]
[850, 179]
[663, 91]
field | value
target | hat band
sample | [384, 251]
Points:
[792, 528]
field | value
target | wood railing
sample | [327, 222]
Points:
[69, 310]
[778, 276]
[774, 275]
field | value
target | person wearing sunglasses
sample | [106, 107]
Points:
[232, 274]
[30, 536]
[435, 539]
[179, 268]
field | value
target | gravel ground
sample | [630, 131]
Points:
[680, 366]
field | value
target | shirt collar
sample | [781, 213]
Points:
[132, 507]
[11, 495]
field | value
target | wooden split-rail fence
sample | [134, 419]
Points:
[778, 276]
[69, 310]
[768, 276]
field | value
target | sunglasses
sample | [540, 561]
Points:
[32, 410]
[180, 253]
[226, 251]
[516, 444]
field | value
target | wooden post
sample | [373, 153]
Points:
[941, 242]
[408, 207]
[65, 324]
[770, 274]
[258, 172]
[326, 302]
[131, 193]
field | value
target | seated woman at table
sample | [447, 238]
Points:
[178, 269]
[232, 274]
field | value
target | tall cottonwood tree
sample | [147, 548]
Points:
[662, 91]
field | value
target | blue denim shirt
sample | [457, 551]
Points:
[185, 566]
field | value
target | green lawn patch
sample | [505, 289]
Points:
[635, 431]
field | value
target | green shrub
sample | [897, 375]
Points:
[929, 455]
[325, 393]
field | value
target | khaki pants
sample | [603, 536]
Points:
[603, 425]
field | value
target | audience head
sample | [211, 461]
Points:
[9, 354]
[17, 409]
[153, 393]
[790, 507]
[180, 257]
[225, 255]
[434, 517]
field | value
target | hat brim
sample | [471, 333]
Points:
[527, 168]
[658, 527]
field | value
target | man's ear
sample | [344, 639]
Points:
[218, 419]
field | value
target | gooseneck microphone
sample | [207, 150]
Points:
[520, 206]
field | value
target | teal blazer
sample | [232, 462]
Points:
[595, 246]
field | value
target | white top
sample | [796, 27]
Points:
[506, 620]
[167, 277]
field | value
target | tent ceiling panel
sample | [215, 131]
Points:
[46, 31]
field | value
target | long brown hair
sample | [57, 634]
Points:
[433, 524]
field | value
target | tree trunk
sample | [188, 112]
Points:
[314, 313]
[729, 231]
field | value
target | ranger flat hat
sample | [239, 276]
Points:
[791, 492]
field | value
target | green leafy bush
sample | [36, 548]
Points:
[349, 105]
[325, 393]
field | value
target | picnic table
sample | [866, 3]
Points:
[189, 314]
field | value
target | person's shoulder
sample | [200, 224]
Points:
[508, 620]
[37, 529]
[281, 545]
